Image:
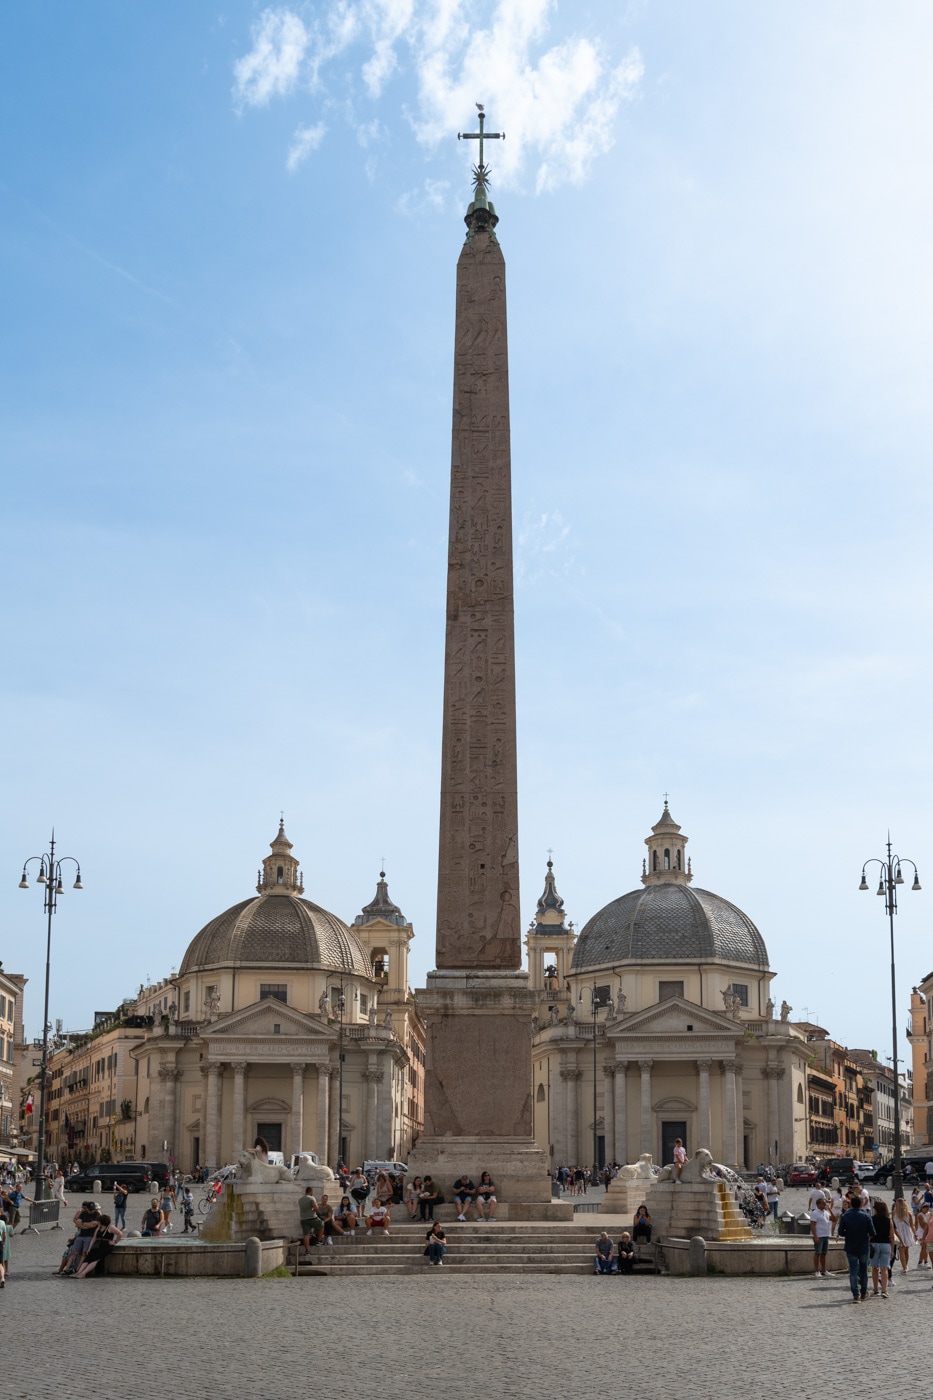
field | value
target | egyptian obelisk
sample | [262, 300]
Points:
[477, 1005]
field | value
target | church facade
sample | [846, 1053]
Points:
[284, 1022]
[656, 1022]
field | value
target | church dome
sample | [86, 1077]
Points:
[277, 928]
[666, 921]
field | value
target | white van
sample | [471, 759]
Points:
[399, 1168]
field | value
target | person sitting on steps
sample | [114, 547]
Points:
[436, 1243]
[464, 1196]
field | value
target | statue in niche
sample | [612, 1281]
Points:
[554, 1014]
[786, 1009]
[212, 1004]
[323, 1004]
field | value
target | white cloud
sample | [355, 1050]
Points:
[431, 195]
[544, 546]
[271, 68]
[558, 104]
[305, 140]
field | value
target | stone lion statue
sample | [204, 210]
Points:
[642, 1170]
[250, 1167]
[696, 1169]
[311, 1173]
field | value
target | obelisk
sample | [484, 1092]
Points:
[477, 1004]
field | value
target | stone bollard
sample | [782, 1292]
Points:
[252, 1258]
[97, 1188]
[697, 1255]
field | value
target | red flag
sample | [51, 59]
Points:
[28, 1108]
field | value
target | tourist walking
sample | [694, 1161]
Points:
[121, 1194]
[905, 1233]
[821, 1227]
[882, 1247]
[857, 1232]
[5, 1233]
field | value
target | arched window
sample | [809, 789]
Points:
[667, 859]
[800, 1093]
[540, 1094]
[679, 866]
[654, 860]
[280, 876]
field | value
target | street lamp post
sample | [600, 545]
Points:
[595, 1004]
[889, 879]
[50, 875]
[341, 1008]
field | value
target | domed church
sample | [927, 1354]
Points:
[286, 1023]
[656, 1022]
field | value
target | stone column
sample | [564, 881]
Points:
[239, 1106]
[212, 1155]
[739, 1113]
[298, 1105]
[609, 1110]
[385, 1114]
[322, 1143]
[785, 1113]
[373, 1078]
[646, 1134]
[621, 1113]
[169, 1077]
[769, 1073]
[336, 1117]
[571, 1078]
[704, 1131]
[730, 1152]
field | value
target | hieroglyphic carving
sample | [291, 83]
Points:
[478, 919]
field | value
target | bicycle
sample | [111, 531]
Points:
[213, 1194]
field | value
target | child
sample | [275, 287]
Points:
[187, 1205]
[680, 1157]
[378, 1218]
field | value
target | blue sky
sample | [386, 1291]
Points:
[228, 249]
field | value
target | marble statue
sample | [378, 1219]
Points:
[323, 1004]
[570, 1013]
[372, 1013]
[769, 1009]
[786, 1009]
[697, 1169]
[535, 1025]
[642, 1170]
[555, 1015]
[250, 1167]
[387, 1018]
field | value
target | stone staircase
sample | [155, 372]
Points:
[734, 1226]
[516, 1248]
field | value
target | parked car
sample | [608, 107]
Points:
[135, 1175]
[802, 1174]
[397, 1168]
[843, 1167]
[864, 1170]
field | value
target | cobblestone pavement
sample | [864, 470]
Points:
[457, 1336]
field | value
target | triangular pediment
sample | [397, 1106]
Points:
[262, 1017]
[672, 1017]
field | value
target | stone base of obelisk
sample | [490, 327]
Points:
[478, 1105]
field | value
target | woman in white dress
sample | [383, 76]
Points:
[904, 1231]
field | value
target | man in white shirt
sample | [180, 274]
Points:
[820, 1229]
[816, 1197]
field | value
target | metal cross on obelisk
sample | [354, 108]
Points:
[480, 170]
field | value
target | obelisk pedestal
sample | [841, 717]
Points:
[477, 1004]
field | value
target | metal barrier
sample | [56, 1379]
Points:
[43, 1213]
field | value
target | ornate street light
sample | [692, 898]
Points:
[889, 879]
[50, 875]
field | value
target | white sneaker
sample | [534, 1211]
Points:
[369, 1232]
[462, 1217]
